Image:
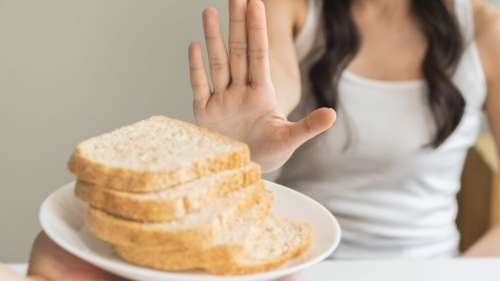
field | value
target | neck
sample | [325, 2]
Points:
[383, 8]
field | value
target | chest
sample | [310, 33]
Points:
[385, 130]
[375, 122]
[389, 55]
[384, 124]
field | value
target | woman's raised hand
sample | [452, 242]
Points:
[241, 101]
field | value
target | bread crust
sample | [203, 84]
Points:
[220, 260]
[185, 258]
[172, 231]
[155, 209]
[119, 231]
[236, 268]
[138, 180]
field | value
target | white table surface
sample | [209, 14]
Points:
[396, 270]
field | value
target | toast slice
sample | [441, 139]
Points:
[155, 154]
[194, 230]
[171, 203]
[223, 247]
[273, 242]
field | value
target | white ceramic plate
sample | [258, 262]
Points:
[62, 217]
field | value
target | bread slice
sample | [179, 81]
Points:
[223, 247]
[155, 154]
[272, 243]
[194, 230]
[170, 203]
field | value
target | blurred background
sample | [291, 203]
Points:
[71, 69]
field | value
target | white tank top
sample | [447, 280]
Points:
[393, 196]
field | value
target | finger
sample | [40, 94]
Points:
[315, 123]
[199, 80]
[238, 51]
[258, 43]
[217, 55]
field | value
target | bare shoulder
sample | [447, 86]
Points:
[487, 20]
[294, 12]
[487, 17]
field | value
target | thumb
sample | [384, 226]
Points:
[312, 125]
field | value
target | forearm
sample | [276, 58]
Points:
[487, 246]
[285, 71]
[287, 85]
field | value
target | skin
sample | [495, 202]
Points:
[243, 102]
[256, 83]
[271, 79]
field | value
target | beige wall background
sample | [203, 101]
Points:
[71, 69]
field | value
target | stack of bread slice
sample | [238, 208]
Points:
[173, 196]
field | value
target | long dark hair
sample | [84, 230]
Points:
[445, 45]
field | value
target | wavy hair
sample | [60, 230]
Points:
[444, 49]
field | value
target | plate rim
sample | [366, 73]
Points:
[110, 265]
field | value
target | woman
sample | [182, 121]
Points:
[408, 79]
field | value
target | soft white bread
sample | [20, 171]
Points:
[223, 247]
[170, 203]
[272, 243]
[194, 230]
[155, 154]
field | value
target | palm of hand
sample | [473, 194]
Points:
[250, 117]
[243, 103]
[236, 111]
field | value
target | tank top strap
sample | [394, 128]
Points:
[465, 16]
